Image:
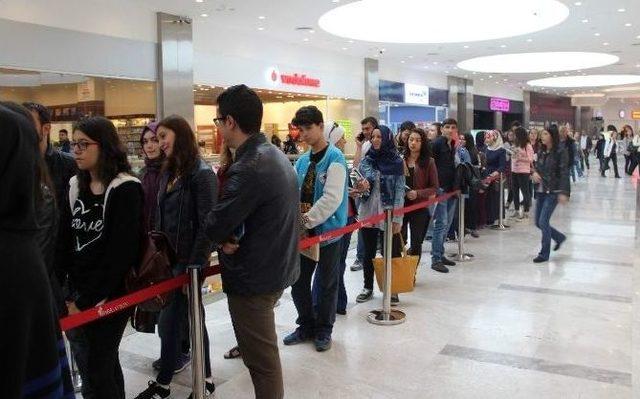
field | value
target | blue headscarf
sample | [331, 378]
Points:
[387, 159]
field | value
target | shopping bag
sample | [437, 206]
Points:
[403, 272]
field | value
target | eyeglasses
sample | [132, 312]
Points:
[82, 145]
[218, 121]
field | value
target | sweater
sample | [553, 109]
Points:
[522, 159]
[496, 160]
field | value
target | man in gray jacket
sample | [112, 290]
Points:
[256, 224]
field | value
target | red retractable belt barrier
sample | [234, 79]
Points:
[137, 297]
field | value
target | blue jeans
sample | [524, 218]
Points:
[546, 204]
[316, 290]
[443, 217]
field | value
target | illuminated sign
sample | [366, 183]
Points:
[499, 104]
[416, 94]
[635, 114]
[293, 79]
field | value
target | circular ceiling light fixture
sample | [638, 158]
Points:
[353, 20]
[537, 62]
[586, 81]
[627, 88]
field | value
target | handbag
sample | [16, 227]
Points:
[155, 266]
[403, 272]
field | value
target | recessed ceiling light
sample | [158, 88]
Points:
[204, 15]
[586, 81]
[199, 1]
[352, 20]
[529, 40]
[426, 67]
[410, 57]
[503, 46]
[446, 72]
[306, 39]
[335, 1]
[350, 41]
[402, 62]
[605, 43]
[345, 48]
[490, 76]
[584, 21]
[312, 31]
[435, 62]
[466, 46]
[596, 34]
[577, 3]
[622, 9]
[482, 79]
[538, 62]
[260, 28]
[628, 24]
[261, 17]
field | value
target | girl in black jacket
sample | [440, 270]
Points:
[187, 193]
[551, 173]
[103, 229]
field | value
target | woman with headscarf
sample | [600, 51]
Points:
[384, 177]
[150, 173]
[32, 340]
[496, 164]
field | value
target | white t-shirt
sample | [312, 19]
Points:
[366, 146]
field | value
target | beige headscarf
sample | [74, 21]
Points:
[496, 144]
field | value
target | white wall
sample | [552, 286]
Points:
[611, 109]
[491, 89]
[388, 70]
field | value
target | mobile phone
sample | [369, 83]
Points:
[360, 137]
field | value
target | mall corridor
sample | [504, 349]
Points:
[497, 327]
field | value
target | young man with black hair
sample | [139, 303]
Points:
[63, 140]
[403, 135]
[259, 197]
[363, 144]
[322, 178]
[444, 151]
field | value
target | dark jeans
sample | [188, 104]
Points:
[521, 183]
[172, 325]
[585, 159]
[316, 291]
[370, 237]
[635, 157]
[327, 270]
[95, 347]
[546, 204]
[255, 328]
[615, 165]
[493, 203]
[443, 218]
[416, 222]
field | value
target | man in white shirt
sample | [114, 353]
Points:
[611, 152]
[585, 147]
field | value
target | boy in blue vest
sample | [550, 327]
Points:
[322, 178]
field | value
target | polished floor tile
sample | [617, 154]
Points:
[496, 327]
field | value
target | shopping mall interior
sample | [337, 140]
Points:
[495, 326]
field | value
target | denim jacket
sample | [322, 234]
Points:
[386, 192]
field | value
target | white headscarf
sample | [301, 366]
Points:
[333, 132]
[498, 143]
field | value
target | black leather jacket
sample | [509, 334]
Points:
[182, 211]
[62, 167]
[552, 168]
[261, 196]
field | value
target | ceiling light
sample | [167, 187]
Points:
[402, 62]
[435, 62]
[204, 15]
[199, 1]
[596, 34]
[426, 67]
[312, 31]
[410, 57]
[466, 46]
[503, 46]
[446, 72]
[335, 1]
[345, 48]
[628, 24]
[627, 88]
[605, 43]
[577, 3]
[584, 21]
[306, 39]
[529, 40]
[538, 62]
[260, 28]
[622, 10]
[350, 41]
[352, 20]
[261, 17]
[586, 81]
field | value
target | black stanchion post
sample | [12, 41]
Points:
[196, 321]
[461, 256]
[386, 315]
[501, 225]
[73, 367]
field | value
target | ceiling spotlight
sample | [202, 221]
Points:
[622, 9]
[306, 39]
[350, 41]
[345, 49]
[410, 57]
[628, 24]
[402, 61]
[199, 1]
[312, 31]
[596, 34]
[426, 67]
[261, 17]
[503, 46]
[204, 15]
[577, 3]
[446, 72]
[335, 1]
[584, 21]
[435, 62]
[466, 46]
[260, 28]
[605, 43]
[529, 40]
[351, 20]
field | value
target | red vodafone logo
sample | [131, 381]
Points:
[274, 75]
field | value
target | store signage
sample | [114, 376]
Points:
[416, 94]
[294, 79]
[635, 114]
[499, 104]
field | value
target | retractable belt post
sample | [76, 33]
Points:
[196, 321]
[501, 225]
[76, 381]
[386, 315]
[461, 256]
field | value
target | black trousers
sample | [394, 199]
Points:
[103, 370]
[327, 270]
[521, 183]
[635, 157]
[627, 164]
[585, 159]
[613, 158]
[416, 222]
[493, 202]
[370, 239]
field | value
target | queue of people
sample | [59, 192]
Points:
[97, 215]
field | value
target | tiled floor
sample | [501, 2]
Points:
[497, 327]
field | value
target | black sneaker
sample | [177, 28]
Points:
[296, 337]
[559, 243]
[323, 342]
[365, 295]
[440, 267]
[448, 262]
[395, 299]
[154, 391]
[357, 265]
[210, 388]
[539, 259]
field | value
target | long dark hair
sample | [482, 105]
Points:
[470, 145]
[555, 137]
[185, 152]
[425, 148]
[522, 137]
[113, 154]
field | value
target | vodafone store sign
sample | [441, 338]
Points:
[292, 79]
[499, 104]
